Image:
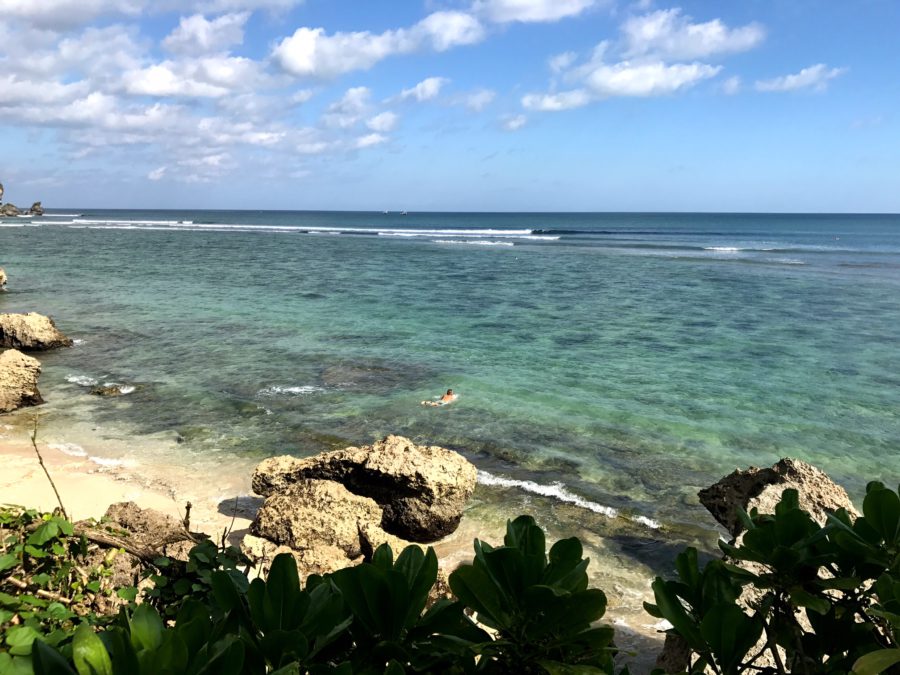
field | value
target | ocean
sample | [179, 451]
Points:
[608, 365]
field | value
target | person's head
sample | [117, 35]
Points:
[449, 392]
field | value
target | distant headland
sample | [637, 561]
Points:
[11, 210]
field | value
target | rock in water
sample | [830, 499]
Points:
[9, 211]
[421, 489]
[18, 381]
[36, 209]
[762, 488]
[2, 279]
[30, 331]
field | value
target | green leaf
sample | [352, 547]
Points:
[881, 508]
[8, 561]
[803, 599]
[89, 654]
[730, 634]
[19, 640]
[876, 662]
[44, 533]
[671, 608]
[146, 628]
[48, 661]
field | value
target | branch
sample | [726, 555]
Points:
[46, 473]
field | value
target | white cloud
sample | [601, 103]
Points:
[198, 35]
[561, 62]
[478, 100]
[157, 174]
[450, 29]
[238, 5]
[302, 96]
[369, 140]
[311, 52]
[208, 77]
[425, 90]
[815, 77]
[556, 101]
[349, 109]
[732, 85]
[667, 34]
[505, 11]
[513, 122]
[60, 14]
[646, 79]
[383, 122]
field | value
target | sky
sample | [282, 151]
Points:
[452, 105]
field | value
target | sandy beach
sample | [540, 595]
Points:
[88, 488]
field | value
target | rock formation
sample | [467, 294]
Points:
[422, 490]
[36, 209]
[30, 331]
[9, 211]
[2, 279]
[762, 488]
[18, 381]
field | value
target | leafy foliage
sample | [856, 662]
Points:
[203, 616]
[540, 605]
[806, 599]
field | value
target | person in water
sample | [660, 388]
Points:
[449, 397]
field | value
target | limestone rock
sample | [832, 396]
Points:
[422, 489]
[146, 527]
[30, 331]
[313, 513]
[36, 209]
[2, 279]
[18, 381]
[319, 560]
[762, 488]
[9, 211]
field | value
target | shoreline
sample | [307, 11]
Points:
[89, 484]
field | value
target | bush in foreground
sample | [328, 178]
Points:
[791, 596]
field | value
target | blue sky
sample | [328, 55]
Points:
[513, 105]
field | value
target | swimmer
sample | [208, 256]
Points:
[449, 397]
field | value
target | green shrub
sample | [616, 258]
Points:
[825, 599]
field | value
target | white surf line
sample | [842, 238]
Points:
[560, 492]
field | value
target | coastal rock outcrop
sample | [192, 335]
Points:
[323, 524]
[147, 528]
[421, 490]
[9, 211]
[18, 381]
[30, 331]
[762, 488]
[36, 209]
[2, 279]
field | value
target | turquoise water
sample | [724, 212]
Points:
[615, 360]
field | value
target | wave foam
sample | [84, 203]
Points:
[302, 390]
[71, 449]
[110, 462]
[555, 490]
[474, 243]
[81, 380]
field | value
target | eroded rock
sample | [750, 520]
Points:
[36, 209]
[9, 211]
[762, 488]
[148, 528]
[2, 279]
[421, 489]
[30, 331]
[18, 381]
[314, 513]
